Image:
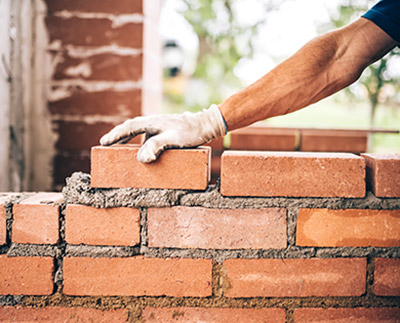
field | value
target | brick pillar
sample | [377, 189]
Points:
[107, 68]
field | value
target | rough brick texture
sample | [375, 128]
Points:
[3, 230]
[387, 277]
[108, 103]
[61, 314]
[345, 315]
[117, 166]
[107, 67]
[36, 219]
[94, 32]
[383, 174]
[295, 277]
[348, 228]
[104, 6]
[292, 174]
[26, 275]
[93, 226]
[137, 276]
[258, 138]
[196, 227]
[334, 141]
[220, 315]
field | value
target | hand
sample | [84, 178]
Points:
[169, 131]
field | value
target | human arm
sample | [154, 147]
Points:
[322, 67]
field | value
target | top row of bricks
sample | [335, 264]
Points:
[245, 173]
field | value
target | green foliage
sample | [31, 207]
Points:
[376, 75]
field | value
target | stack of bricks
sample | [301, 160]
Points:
[106, 68]
[284, 237]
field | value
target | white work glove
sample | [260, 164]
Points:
[169, 131]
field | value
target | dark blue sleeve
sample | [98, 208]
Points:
[386, 15]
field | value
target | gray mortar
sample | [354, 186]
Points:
[32, 250]
[100, 251]
[10, 300]
[79, 191]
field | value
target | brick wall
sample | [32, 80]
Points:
[313, 237]
[107, 68]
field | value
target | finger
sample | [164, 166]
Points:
[154, 146]
[124, 132]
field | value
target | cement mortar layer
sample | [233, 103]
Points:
[79, 191]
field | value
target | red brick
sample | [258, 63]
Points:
[26, 275]
[108, 103]
[51, 314]
[295, 277]
[383, 174]
[101, 67]
[220, 315]
[117, 166]
[3, 229]
[93, 226]
[334, 141]
[215, 168]
[348, 228]
[94, 32]
[36, 219]
[79, 135]
[95, 6]
[197, 227]
[137, 276]
[292, 174]
[259, 138]
[387, 277]
[345, 315]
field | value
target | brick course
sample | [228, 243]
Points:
[295, 277]
[292, 174]
[36, 219]
[334, 141]
[348, 228]
[195, 227]
[26, 275]
[258, 138]
[387, 277]
[117, 166]
[93, 226]
[137, 276]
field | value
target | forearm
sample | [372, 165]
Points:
[322, 67]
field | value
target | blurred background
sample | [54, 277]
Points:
[71, 70]
[214, 48]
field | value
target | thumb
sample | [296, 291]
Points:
[153, 147]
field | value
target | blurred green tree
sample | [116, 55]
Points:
[378, 76]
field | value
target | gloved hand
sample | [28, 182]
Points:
[169, 131]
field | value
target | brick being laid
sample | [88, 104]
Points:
[117, 167]
[292, 174]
